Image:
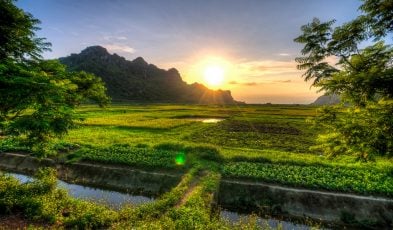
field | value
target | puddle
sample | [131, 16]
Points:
[204, 119]
[211, 120]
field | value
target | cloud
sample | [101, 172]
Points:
[253, 83]
[284, 54]
[250, 83]
[243, 83]
[265, 67]
[283, 81]
[119, 48]
[111, 38]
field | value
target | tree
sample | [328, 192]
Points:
[363, 77]
[37, 97]
[17, 34]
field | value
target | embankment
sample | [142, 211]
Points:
[233, 194]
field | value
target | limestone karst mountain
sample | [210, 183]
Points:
[140, 81]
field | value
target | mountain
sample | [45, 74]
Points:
[327, 100]
[140, 81]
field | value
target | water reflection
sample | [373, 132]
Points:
[118, 199]
[111, 198]
[212, 120]
[272, 223]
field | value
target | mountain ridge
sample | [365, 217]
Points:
[327, 100]
[139, 81]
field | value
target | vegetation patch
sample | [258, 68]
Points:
[345, 179]
[261, 127]
[258, 135]
[41, 200]
[128, 155]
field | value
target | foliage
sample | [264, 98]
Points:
[195, 212]
[350, 130]
[164, 156]
[315, 37]
[379, 16]
[29, 197]
[363, 78]
[41, 200]
[156, 148]
[362, 75]
[17, 34]
[87, 215]
[364, 181]
[37, 97]
[187, 206]
[38, 102]
[285, 136]
[127, 155]
[164, 203]
[10, 144]
[206, 143]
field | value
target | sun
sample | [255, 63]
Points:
[214, 75]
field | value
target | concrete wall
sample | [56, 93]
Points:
[131, 180]
[327, 206]
[111, 177]
[237, 195]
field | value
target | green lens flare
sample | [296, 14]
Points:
[180, 158]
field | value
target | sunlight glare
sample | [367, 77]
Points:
[214, 75]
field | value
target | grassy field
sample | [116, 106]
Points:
[256, 127]
[259, 142]
[268, 143]
[265, 143]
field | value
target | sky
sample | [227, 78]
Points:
[250, 40]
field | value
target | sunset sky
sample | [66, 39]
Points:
[251, 41]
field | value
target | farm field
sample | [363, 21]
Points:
[196, 115]
[262, 143]
[265, 139]
[268, 143]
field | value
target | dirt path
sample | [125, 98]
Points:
[191, 188]
[189, 191]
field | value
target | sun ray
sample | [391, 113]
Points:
[214, 75]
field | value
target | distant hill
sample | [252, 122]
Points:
[142, 82]
[327, 100]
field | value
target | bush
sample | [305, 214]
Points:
[364, 132]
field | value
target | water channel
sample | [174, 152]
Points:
[116, 200]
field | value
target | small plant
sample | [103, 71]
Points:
[364, 181]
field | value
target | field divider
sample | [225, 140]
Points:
[159, 207]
